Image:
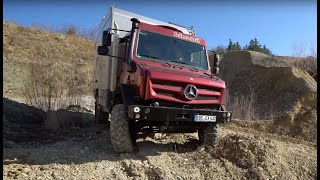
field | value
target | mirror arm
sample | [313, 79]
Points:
[132, 67]
[116, 57]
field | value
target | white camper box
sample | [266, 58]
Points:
[106, 67]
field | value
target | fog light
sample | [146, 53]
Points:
[228, 114]
[136, 109]
[137, 116]
[147, 111]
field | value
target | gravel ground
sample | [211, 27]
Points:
[31, 152]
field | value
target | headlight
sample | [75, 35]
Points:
[136, 109]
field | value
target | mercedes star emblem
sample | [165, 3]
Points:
[190, 92]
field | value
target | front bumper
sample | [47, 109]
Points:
[158, 113]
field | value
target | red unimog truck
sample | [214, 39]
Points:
[155, 77]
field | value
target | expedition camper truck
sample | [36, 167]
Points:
[151, 76]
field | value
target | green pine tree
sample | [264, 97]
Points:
[254, 45]
[237, 46]
[266, 50]
[230, 46]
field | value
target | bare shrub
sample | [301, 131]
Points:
[73, 84]
[87, 32]
[43, 87]
[42, 27]
[71, 30]
[77, 30]
[12, 20]
[242, 107]
[307, 54]
[308, 64]
[303, 49]
[68, 29]
[51, 85]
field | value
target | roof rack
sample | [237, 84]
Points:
[190, 29]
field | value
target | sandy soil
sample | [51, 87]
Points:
[243, 152]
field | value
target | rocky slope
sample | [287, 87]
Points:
[285, 92]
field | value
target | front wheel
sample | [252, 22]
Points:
[208, 135]
[121, 130]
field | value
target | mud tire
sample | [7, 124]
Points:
[121, 134]
[208, 135]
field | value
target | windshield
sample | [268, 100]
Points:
[153, 46]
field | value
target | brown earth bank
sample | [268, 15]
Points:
[23, 46]
[286, 94]
[244, 151]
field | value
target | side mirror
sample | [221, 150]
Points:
[215, 70]
[103, 50]
[216, 60]
[106, 38]
[214, 63]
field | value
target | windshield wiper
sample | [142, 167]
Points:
[181, 62]
[208, 74]
[144, 55]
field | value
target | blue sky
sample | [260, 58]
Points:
[278, 25]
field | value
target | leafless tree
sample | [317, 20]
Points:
[307, 52]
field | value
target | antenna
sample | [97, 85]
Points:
[190, 29]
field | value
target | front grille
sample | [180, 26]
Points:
[181, 105]
[176, 90]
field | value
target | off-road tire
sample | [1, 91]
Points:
[209, 134]
[121, 134]
[101, 117]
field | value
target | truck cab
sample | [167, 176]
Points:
[157, 78]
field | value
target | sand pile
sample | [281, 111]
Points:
[281, 91]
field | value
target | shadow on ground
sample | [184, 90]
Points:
[27, 141]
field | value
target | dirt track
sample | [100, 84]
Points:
[242, 153]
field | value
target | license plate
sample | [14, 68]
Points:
[204, 118]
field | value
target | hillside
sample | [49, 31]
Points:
[24, 45]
